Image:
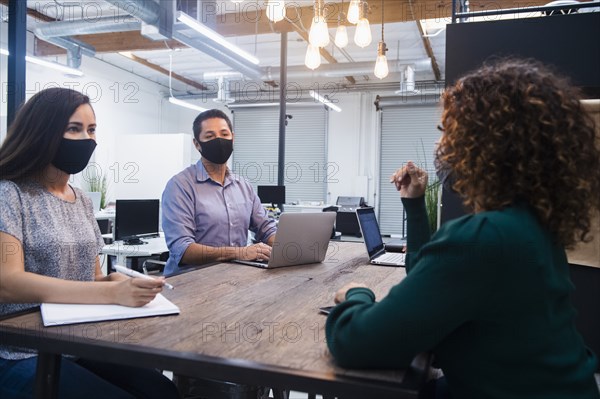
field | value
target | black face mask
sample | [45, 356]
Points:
[217, 150]
[73, 155]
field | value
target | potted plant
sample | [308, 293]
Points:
[99, 183]
[432, 192]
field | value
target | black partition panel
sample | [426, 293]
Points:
[568, 42]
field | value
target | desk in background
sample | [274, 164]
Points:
[153, 246]
[304, 208]
[238, 324]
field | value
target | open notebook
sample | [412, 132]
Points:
[56, 314]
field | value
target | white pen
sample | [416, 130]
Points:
[133, 273]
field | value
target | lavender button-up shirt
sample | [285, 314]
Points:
[196, 209]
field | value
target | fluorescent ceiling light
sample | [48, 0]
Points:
[214, 36]
[252, 105]
[54, 65]
[224, 74]
[48, 64]
[185, 104]
[325, 101]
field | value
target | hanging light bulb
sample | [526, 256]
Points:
[362, 36]
[354, 12]
[381, 65]
[276, 10]
[313, 57]
[319, 31]
[341, 36]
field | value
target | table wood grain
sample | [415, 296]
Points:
[247, 314]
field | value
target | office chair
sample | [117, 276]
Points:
[155, 266]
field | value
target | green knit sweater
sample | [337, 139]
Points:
[489, 295]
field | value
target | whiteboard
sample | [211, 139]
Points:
[144, 163]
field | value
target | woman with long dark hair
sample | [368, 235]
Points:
[50, 243]
[489, 292]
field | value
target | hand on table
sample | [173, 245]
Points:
[340, 296]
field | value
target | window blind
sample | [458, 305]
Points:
[408, 133]
[255, 154]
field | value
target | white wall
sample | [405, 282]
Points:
[352, 139]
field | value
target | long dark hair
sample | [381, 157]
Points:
[34, 136]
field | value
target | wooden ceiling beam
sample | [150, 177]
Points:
[250, 21]
[429, 50]
[113, 42]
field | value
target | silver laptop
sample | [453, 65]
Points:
[373, 241]
[301, 238]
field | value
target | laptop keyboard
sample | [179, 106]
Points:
[393, 257]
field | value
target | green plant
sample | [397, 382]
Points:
[99, 184]
[431, 192]
[431, 203]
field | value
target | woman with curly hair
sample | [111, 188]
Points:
[489, 292]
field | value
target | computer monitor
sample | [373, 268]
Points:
[271, 194]
[135, 219]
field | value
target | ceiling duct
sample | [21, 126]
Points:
[75, 49]
[223, 95]
[148, 11]
[83, 27]
[407, 82]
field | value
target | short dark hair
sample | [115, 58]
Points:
[34, 136]
[211, 113]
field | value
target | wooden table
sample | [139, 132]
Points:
[238, 324]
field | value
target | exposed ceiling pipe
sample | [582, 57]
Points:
[84, 27]
[75, 49]
[146, 10]
[346, 69]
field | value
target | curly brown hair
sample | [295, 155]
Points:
[516, 131]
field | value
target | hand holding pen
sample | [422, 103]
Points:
[410, 180]
[133, 273]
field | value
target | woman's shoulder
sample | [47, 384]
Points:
[9, 189]
[511, 222]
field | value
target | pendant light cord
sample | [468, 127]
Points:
[382, 24]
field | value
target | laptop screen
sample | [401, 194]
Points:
[370, 230]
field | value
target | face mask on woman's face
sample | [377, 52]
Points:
[216, 150]
[73, 155]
